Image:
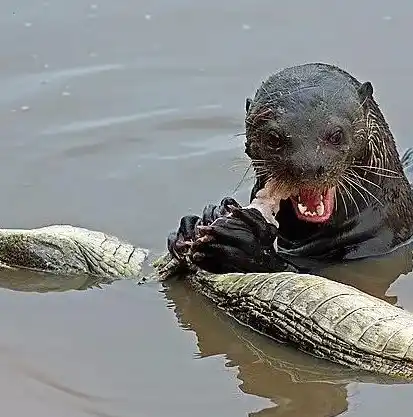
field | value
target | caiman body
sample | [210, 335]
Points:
[69, 250]
[319, 316]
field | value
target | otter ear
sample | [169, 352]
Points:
[248, 103]
[365, 90]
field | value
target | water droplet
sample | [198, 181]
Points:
[24, 108]
[93, 6]
[66, 93]
[28, 24]
[148, 17]
[246, 27]
[93, 54]
[46, 66]
[387, 18]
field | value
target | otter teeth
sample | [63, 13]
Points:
[320, 209]
[302, 208]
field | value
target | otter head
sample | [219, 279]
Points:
[305, 127]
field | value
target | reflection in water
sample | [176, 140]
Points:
[374, 276]
[298, 384]
[30, 281]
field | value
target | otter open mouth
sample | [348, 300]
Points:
[314, 206]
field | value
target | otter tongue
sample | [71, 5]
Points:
[310, 198]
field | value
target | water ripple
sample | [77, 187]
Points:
[16, 87]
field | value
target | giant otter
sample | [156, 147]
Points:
[319, 133]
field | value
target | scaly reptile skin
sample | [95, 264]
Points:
[68, 250]
[324, 318]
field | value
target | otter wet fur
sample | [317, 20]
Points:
[319, 134]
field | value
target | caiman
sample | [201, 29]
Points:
[324, 318]
[69, 250]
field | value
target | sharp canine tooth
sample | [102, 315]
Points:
[301, 208]
[320, 209]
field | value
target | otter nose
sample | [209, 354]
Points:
[308, 171]
[319, 172]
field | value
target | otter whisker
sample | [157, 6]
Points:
[262, 171]
[371, 168]
[242, 179]
[359, 177]
[240, 134]
[352, 182]
[382, 175]
[349, 193]
[262, 161]
[360, 132]
[257, 164]
[375, 167]
[241, 163]
[237, 165]
[263, 168]
[342, 197]
[366, 190]
[252, 119]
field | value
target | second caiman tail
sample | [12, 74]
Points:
[69, 250]
[324, 318]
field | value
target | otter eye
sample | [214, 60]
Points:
[336, 138]
[274, 141]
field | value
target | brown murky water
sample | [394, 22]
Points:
[120, 116]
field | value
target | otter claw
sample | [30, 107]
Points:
[201, 240]
[206, 239]
[182, 245]
[231, 207]
[204, 230]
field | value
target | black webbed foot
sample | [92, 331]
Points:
[179, 242]
[242, 242]
[227, 238]
[212, 212]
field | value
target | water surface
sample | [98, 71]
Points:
[120, 116]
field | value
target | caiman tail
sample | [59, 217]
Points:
[324, 318]
[69, 250]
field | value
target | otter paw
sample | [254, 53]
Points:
[265, 232]
[212, 212]
[239, 243]
[179, 242]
